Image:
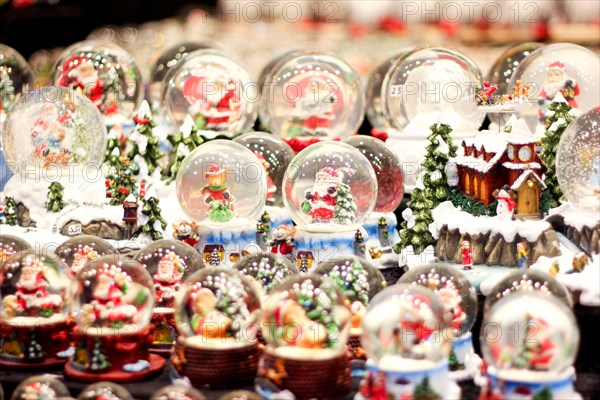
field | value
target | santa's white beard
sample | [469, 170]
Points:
[101, 292]
[28, 284]
[553, 87]
[88, 81]
[214, 98]
[164, 277]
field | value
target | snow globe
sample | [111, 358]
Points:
[407, 335]
[424, 87]
[382, 225]
[104, 391]
[531, 280]
[16, 78]
[267, 270]
[216, 317]
[359, 280]
[275, 155]
[177, 392]
[34, 320]
[104, 73]
[578, 173]
[329, 189]
[529, 342]
[169, 262]
[305, 321]
[10, 245]
[222, 186]
[53, 141]
[164, 63]
[311, 96]
[565, 68]
[41, 387]
[82, 249]
[460, 299]
[215, 90]
[113, 298]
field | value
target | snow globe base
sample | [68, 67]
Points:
[400, 378]
[306, 377]
[214, 364]
[37, 347]
[382, 230]
[164, 332]
[312, 248]
[113, 355]
[466, 363]
[229, 241]
[278, 216]
[520, 384]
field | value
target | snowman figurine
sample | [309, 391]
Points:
[506, 204]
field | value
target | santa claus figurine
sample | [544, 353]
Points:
[452, 301]
[167, 279]
[320, 201]
[315, 109]
[81, 257]
[557, 80]
[218, 108]
[283, 240]
[32, 297]
[108, 305]
[467, 255]
[217, 195]
[506, 204]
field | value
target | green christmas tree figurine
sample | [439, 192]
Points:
[98, 361]
[10, 211]
[439, 151]
[155, 224]
[113, 148]
[55, 201]
[183, 143]
[122, 182]
[555, 127]
[215, 259]
[345, 207]
[417, 234]
[7, 88]
[142, 141]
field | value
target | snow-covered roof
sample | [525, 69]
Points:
[131, 198]
[478, 163]
[511, 165]
[492, 142]
[523, 177]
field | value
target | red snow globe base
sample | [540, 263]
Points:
[117, 357]
[34, 348]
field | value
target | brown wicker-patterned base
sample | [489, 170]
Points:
[307, 379]
[355, 348]
[220, 368]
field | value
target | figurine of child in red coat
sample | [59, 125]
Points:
[467, 255]
[217, 195]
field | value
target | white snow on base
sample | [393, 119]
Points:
[447, 214]
[409, 259]
[578, 218]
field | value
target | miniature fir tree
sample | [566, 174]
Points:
[439, 151]
[181, 152]
[98, 361]
[555, 127]
[55, 201]
[424, 391]
[303, 264]
[418, 235]
[544, 394]
[183, 143]
[10, 211]
[122, 182]
[156, 224]
[453, 362]
[143, 141]
[215, 259]
[33, 350]
[345, 207]
[113, 150]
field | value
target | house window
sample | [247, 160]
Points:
[476, 185]
[467, 183]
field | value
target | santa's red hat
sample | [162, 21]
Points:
[328, 174]
[214, 170]
[557, 66]
[73, 65]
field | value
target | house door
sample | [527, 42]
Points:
[528, 200]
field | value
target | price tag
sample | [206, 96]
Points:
[74, 229]
[396, 90]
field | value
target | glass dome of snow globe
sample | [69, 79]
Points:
[275, 155]
[570, 69]
[329, 186]
[169, 262]
[358, 279]
[177, 392]
[104, 391]
[103, 72]
[303, 314]
[16, 78]
[310, 95]
[41, 387]
[77, 251]
[218, 306]
[214, 89]
[388, 171]
[221, 181]
[266, 269]
[408, 322]
[35, 289]
[427, 85]
[578, 161]
[165, 62]
[452, 287]
[531, 280]
[10, 245]
[53, 131]
[113, 293]
[546, 336]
